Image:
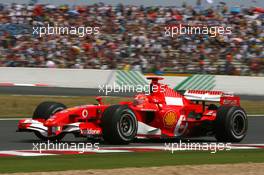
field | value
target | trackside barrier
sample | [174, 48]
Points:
[93, 78]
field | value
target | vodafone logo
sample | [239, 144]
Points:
[85, 113]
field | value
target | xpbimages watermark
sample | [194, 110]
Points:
[80, 147]
[124, 88]
[188, 146]
[80, 31]
[211, 31]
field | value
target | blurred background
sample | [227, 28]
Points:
[132, 36]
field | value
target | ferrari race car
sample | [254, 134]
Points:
[163, 113]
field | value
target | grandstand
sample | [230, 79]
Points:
[132, 37]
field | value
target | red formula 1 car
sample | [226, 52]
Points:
[163, 113]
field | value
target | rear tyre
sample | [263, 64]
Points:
[119, 124]
[44, 111]
[231, 124]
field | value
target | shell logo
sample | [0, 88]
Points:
[170, 119]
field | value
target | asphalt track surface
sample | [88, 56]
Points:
[12, 140]
[62, 91]
[58, 91]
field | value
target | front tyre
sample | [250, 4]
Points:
[44, 111]
[119, 124]
[231, 124]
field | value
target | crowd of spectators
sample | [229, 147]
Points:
[132, 38]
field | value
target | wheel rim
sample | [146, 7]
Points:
[239, 124]
[126, 125]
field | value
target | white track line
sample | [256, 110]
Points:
[110, 150]
[7, 119]
[18, 153]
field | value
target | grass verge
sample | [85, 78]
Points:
[24, 105]
[121, 160]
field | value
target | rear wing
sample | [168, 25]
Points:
[212, 96]
[203, 95]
